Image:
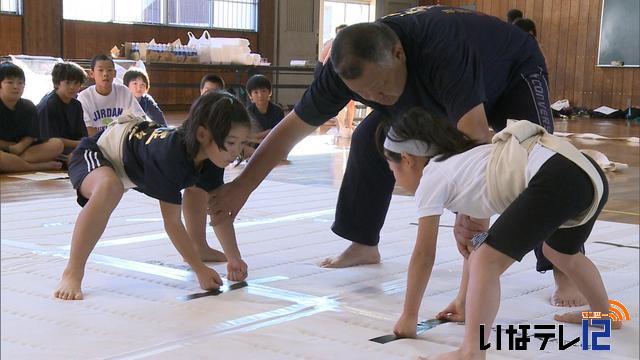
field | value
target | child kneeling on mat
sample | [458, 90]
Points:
[543, 187]
[159, 162]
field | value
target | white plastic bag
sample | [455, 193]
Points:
[37, 72]
[202, 46]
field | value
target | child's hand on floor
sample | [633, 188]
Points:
[236, 269]
[453, 312]
[208, 278]
[406, 327]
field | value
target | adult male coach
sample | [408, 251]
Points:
[468, 68]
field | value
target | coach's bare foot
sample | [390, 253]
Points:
[208, 254]
[69, 287]
[566, 293]
[355, 254]
[575, 317]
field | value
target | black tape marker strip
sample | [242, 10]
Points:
[617, 245]
[421, 327]
[215, 292]
[441, 225]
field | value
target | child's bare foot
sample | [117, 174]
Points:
[208, 254]
[566, 293]
[48, 166]
[69, 287]
[575, 317]
[355, 254]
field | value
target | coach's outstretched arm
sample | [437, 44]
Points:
[227, 200]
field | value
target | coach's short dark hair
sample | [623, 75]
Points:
[360, 43]
[11, 70]
[69, 71]
[258, 82]
[513, 15]
[133, 73]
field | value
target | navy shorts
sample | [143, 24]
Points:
[560, 191]
[84, 159]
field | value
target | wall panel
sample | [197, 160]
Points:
[41, 27]
[11, 34]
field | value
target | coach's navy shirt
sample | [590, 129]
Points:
[19, 123]
[157, 162]
[270, 119]
[60, 120]
[456, 59]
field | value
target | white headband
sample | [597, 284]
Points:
[412, 146]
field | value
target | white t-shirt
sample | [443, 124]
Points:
[460, 184]
[99, 110]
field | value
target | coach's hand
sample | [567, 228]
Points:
[464, 230]
[226, 201]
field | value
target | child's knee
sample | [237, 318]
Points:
[488, 257]
[54, 146]
[109, 188]
[57, 144]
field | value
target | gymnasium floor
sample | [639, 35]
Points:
[141, 302]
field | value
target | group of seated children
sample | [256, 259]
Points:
[41, 138]
[106, 100]
[21, 144]
[265, 115]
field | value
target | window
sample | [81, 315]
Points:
[225, 14]
[11, 6]
[90, 10]
[190, 12]
[236, 14]
[142, 11]
[344, 12]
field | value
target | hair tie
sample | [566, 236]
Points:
[410, 146]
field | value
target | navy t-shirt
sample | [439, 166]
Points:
[270, 119]
[61, 120]
[151, 108]
[157, 162]
[19, 123]
[456, 59]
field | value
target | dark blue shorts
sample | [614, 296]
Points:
[84, 159]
